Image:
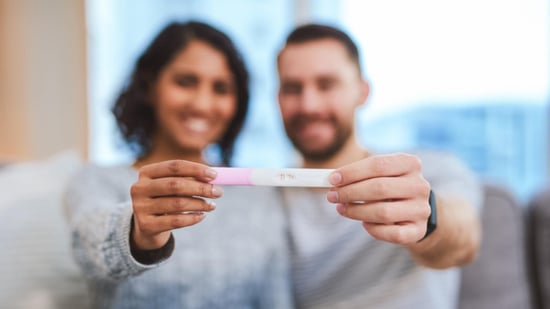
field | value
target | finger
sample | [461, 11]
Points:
[178, 186]
[400, 234]
[176, 221]
[382, 188]
[376, 166]
[178, 168]
[168, 205]
[157, 224]
[386, 212]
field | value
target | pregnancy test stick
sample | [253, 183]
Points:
[278, 177]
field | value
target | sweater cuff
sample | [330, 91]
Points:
[133, 266]
[148, 257]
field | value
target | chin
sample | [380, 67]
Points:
[319, 152]
[187, 146]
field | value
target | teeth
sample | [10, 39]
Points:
[199, 125]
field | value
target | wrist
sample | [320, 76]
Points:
[431, 223]
[150, 252]
[427, 249]
[154, 256]
[141, 241]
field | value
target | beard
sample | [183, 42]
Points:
[316, 153]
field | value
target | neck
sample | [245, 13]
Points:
[351, 152]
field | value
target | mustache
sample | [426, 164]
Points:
[301, 120]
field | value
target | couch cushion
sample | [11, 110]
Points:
[539, 247]
[498, 278]
[36, 265]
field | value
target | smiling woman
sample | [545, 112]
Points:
[195, 100]
[188, 90]
[118, 31]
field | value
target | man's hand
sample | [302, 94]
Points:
[387, 193]
[391, 197]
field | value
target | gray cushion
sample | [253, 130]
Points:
[539, 235]
[498, 278]
[36, 265]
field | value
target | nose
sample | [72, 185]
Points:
[310, 101]
[203, 99]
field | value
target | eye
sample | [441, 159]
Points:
[186, 80]
[291, 88]
[222, 87]
[326, 84]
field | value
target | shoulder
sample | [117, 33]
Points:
[436, 164]
[94, 171]
[96, 178]
[437, 157]
[448, 174]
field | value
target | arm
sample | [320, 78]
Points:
[100, 223]
[389, 194]
[459, 199]
[456, 239]
[113, 230]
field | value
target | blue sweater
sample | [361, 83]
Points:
[236, 257]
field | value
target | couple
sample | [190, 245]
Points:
[157, 234]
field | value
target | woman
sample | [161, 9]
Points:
[188, 90]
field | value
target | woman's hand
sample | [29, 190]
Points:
[169, 195]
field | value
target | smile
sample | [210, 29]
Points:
[197, 125]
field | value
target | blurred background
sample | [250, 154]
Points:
[470, 77]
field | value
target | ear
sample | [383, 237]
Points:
[364, 91]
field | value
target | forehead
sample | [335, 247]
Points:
[199, 55]
[313, 58]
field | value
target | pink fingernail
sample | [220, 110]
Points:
[217, 191]
[335, 178]
[210, 173]
[340, 209]
[332, 196]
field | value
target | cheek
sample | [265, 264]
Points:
[287, 108]
[344, 115]
[166, 97]
[228, 109]
[287, 114]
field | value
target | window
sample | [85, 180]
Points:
[470, 77]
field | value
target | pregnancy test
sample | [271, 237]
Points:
[277, 177]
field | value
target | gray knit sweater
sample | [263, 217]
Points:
[236, 257]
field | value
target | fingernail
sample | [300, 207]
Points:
[332, 196]
[210, 173]
[340, 209]
[335, 178]
[212, 205]
[217, 191]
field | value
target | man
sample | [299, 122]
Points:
[398, 219]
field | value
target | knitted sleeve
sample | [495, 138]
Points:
[99, 213]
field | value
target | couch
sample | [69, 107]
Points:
[36, 265]
[539, 246]
[499, 277]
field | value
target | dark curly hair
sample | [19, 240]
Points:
[133, 110]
